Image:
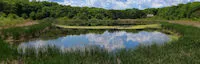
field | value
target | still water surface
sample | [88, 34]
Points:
[108, 40]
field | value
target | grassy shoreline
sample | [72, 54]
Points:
[111, 27]
[183, 51]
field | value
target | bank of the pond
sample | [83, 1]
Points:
[110, 41]
[183, 51]
[111, 27]
[5, 50]
[23, 33]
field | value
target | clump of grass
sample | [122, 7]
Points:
[53, 55]
[10, 20]
[17, 33]
[6, 52]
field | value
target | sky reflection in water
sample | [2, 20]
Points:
[107, 40]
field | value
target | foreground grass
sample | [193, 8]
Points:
[184, 51]
[111, 27]
[5, 50]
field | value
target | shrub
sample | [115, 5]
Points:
[12, 16]
[2, 14]
[24, 15]
[10, 22]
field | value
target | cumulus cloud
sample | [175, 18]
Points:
[121, 4]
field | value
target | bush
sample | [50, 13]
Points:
[2, 14]
[12, 16]
[81, 22]
[10, 22]
[24, 15]
[25, 32]
[32, 15]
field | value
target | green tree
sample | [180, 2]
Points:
[24, 15]
[81, 16]
[32, 15]
[13, 16]
[2, 14]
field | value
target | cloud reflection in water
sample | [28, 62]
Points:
[107, 40]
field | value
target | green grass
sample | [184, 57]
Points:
[111, 27]
[156, 18]
[6, 51]
[9, 22]
[17, 33]
[81, 22]
[186, 50]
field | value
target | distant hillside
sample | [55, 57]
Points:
[195, 13]
[189, 10]
[41, 10]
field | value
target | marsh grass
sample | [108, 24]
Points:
[17, 33]
[183, 51]
[81, 22]
[111, 27]
[53, 55]
[142, 21]
[7, 51]
[10, 22]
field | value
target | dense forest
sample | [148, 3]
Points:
[189, 10]
[40, 10]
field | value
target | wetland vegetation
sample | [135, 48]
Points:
[57, 37]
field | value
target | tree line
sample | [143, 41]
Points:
[40, 10]
[189, 10]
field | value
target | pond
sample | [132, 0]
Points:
[107, 40]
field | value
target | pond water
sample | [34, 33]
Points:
[108, 40]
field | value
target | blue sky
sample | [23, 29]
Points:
[121, 4]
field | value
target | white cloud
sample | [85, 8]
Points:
[121, 4]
